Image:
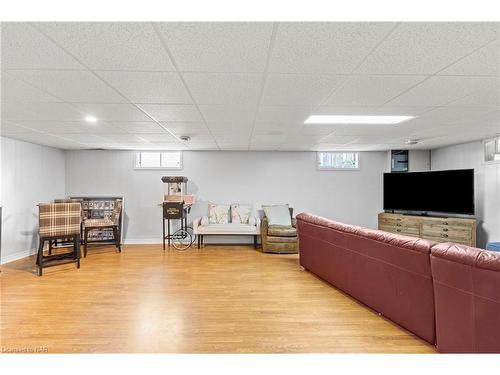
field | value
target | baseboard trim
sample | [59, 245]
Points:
[16, 256]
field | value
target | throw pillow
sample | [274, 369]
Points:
[240, 213]
[218, 213]
[278, 215]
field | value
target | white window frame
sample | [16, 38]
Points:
[497, 146]
[319, 168]
[138, 167]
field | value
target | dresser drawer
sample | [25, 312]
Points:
[406, 231]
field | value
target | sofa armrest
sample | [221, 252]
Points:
[196, 224]
[294, 222]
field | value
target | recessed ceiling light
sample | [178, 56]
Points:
[91, 119]
[356, 119]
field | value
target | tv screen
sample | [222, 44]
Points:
[450, 192]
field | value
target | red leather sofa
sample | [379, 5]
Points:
[445, 293]
[467, 298]
[387, 272]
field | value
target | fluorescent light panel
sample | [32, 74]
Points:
[356, 119]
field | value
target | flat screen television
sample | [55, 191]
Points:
[436, 192]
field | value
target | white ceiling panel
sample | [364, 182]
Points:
[371, 90]
[426, 47]
[148, 87]
[113, 112]
[324, 47]
[218, 46]
[228, 89]
[172, 112]
[75, 86]
[440, 90]
[293, 89]
[138, 127]
[40, 111]
[224, 113]
[111, 45]
[9, 127]
[485, 61]
[23, 47]
[14, 90]
[248, 85]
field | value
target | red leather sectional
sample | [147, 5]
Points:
[392, 274]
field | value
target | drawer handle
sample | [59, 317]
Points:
[398, 225]
[445, 223]
[445, 235]
[398, 230]
[445, 229]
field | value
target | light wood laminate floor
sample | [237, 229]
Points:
[221, 299]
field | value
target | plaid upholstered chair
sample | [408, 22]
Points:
[58, 221]
[67, 200]
[113, 223]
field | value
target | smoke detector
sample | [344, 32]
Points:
[185, 138]
[412, 141]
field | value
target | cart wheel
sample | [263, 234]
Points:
[190, 231]
[182, 240]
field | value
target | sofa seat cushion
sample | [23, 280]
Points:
[274, 239]
[228, 228]
[282, 231]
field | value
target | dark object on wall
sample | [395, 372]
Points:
[436, 192]
[167, 179]
[400, 161]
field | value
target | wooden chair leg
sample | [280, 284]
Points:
[85, 241]
[199, 239]
[39, 257]
[254, 242]
[116, 235]
[76, 244]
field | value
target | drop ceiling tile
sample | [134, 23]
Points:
[149, 87]
[292, 89]
[172, 112]
[230, 130]
[427, 47]
[138, 126]
[158, 137]
[40, 111]
[113, 112]
[370, 90]
[218, 46]
[286, 115]
[227, 89]
[8, 127]
[16, 90]
[339, 139]
[458, 115]
[439, 90]
[70, 86]
[23, 47]
[324, 47]
[186, 128]
[276, 128]
[224, 113]
[111, 45]
[68, 127]
[488, 95]
[485, 61]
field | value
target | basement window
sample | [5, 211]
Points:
[338, 161]
[492, 150]
[158, 160]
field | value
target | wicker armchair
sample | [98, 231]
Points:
[112, 223]
[58, 221]
[279, 239]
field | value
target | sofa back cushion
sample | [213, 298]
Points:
[467, 295]
[240, 213]
[278, 214]
[218, 213]
[387, 272]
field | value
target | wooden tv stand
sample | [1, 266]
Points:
[439, 229]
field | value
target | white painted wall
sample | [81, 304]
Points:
[487, 184]
[247, 177]
[30, 174]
